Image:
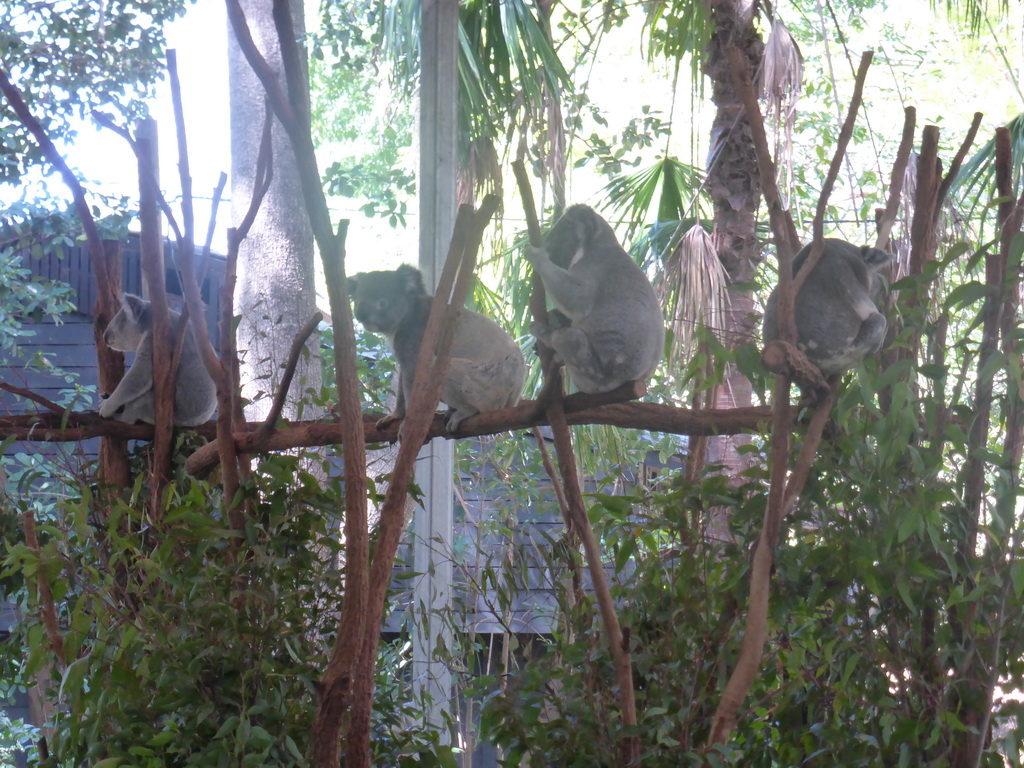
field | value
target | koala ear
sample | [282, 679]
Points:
[135, 306]
[875, 258]
[352, 284]
[410, 279]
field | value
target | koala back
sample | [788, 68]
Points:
[195, 394]
[834, 303]
[625, 322]
[487, 365]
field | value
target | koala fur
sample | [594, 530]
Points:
[837, 322]
[607, 325]
[487, 368]
[195, 394]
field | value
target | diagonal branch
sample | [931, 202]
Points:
[575, 511]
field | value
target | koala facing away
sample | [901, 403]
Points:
[487, 368]
[607, 325]
[837, 321]
[195, 394]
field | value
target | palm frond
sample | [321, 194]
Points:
[669, 187]
[676, 29]
[781, 81]
[507, 67]
[976, 180]
[974, 12]
[693, 287]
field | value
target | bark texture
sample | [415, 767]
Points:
[276, 290]
[735, 190]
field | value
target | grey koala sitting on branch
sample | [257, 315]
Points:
[607, 325]
[487, 367]
[195, 394]
[837, 321]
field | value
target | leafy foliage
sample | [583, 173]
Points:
[68, 57]
[188, 646]
[879, 615]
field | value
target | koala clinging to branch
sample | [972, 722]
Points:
[195, 394]
[487, 368]
[837, 322]
[607, 325]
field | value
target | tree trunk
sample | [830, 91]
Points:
[276, 292]
[735, 189]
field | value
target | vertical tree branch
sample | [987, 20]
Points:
[782, 494]
[432, 366]
[47, 607]
[973, 679]
[106, 267]
[845, 134]
[574, 511]
[352, 623]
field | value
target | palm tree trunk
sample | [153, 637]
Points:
[735, 190]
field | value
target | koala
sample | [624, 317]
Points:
[837, 322]
[195, 394]
[607, 325]
[487, 368]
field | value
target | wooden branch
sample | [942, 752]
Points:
[28, 394]
[579, 409]
[782, 358]
[785, 358]
[845, 134]
[954, 167]
[899, 171]
[538, 299]
[110, 363]
[47, 607]
[922, 230]
[426, 392]
[574, 511]
[298, 344]
[787, 241]
[184, 175]
[152, 264]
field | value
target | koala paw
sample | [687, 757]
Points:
[540, 331]
[388, 420]
[106, 409]
[535, 255]
[453, 420]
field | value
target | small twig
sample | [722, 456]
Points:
[845, 134]
[264, 173]
[165, 208]
[954, 166]
[899, 170]
[28, 394]
[298, 344]
[211, 228]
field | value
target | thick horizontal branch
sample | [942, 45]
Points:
[579, 409]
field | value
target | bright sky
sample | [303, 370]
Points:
[200, 40]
